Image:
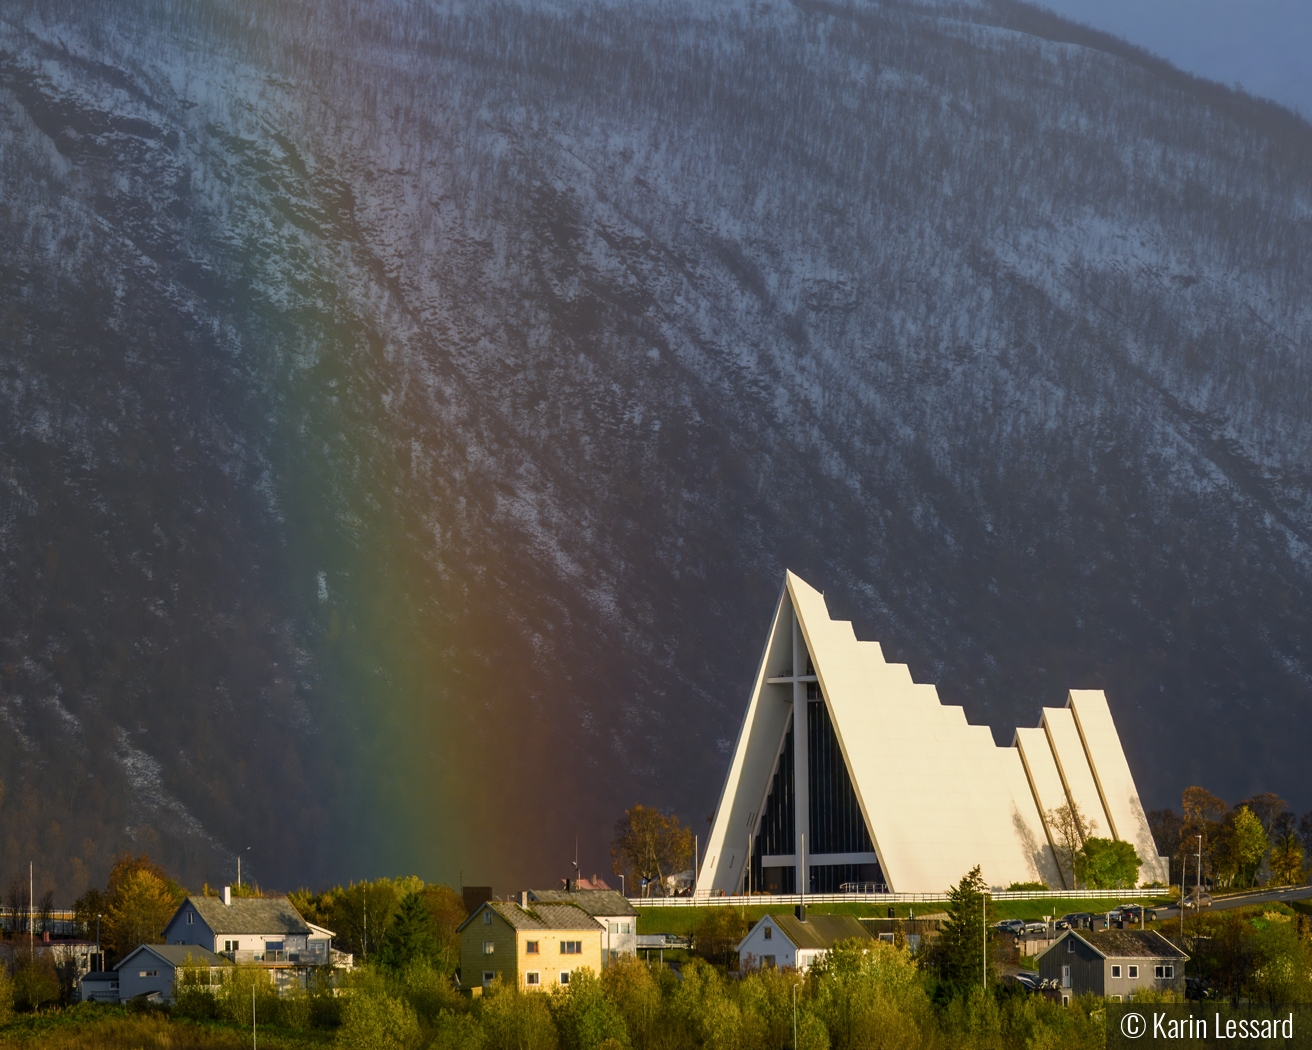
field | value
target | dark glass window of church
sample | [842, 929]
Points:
[836, 822]
[777, 825]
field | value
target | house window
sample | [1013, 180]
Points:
[1116, 971]
[489, 947]
[489, 976]
[571, 947]
[230, 946]
[191, 918]
[1115, 998]
[626, 928]
[1065, 1000]
[487, 918]
[1134, 971]
[767, 961]
[613, 928]
[564, 977]
[1170, 972]
[533, 980]
[1070, 944]
[769, 933]
[530, 947]
[148, 973]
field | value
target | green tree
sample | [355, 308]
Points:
[410, 935]
[143, 905]
[1248, 843]
[514, 1019]
[585, 1017]
[1071, 828]
[1106, 864]
[6, 996]
[1286, 851]
[373, 1021]
[650, 845]
[35, 983]
[958, 956]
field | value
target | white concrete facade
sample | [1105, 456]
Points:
[937, 795]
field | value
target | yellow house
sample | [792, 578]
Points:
[534, 947]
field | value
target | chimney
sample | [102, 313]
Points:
[45, 936]
[523, 899]
[800, 912]
[227, 896]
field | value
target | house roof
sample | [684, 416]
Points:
[1125, 944]
[542, 916]
[249, 915]
[101, 975]
[818, 931]
[594, 902]
[177, 955]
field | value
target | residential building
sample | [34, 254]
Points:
[99, 986]
[610, 909]
[264, 930]
[151, 972]
[796, 940]
[1114, 963]
[846, 772]
[533, 945]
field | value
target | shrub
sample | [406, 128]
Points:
[516, 1019]
[377, 1022]
[584, 1016]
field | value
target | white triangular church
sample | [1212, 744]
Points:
[898, 791]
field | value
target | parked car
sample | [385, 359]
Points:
[1036, 927]
[1075, 920]
[1197, 988]
[1026, 980]
[1198, 899]
[1015, 927]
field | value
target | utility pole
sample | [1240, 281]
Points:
[31, 911]
[254, 1045]
[795, 985]
[1200, 866]
[984, 933]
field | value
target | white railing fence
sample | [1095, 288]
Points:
[781, 899]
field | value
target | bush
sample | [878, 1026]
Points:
[585, 1018]
[35, 982]
[510, 1018]
[371, 1021]
[6, 996]
[1024, 887]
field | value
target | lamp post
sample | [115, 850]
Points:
[795, 987]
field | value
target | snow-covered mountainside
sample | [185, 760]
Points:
[407, 411]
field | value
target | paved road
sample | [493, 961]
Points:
[1298, 893]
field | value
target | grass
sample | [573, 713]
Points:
[97, 1026]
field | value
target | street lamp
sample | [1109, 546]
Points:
[795, 987]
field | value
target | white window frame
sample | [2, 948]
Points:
[1134, 972]
[489, 976]
[533, 979]
[191, 918]
[564, 977]
[532, 947]
[489, 947]
[768, 933]
[1116, 971]
[1114, 998]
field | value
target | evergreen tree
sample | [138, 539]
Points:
[959, 955]
[410, 935]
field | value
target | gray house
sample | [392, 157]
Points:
[610, 909]
[1113, 963]
[150, 971]
[99, 986]
[262, 930]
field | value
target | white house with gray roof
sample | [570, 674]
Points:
[266, 930]
[150, 972]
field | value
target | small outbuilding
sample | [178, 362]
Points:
[151, 971]
[1117, 964]
[796, 940]
[99, 986]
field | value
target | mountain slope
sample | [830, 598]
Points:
[410, 411]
